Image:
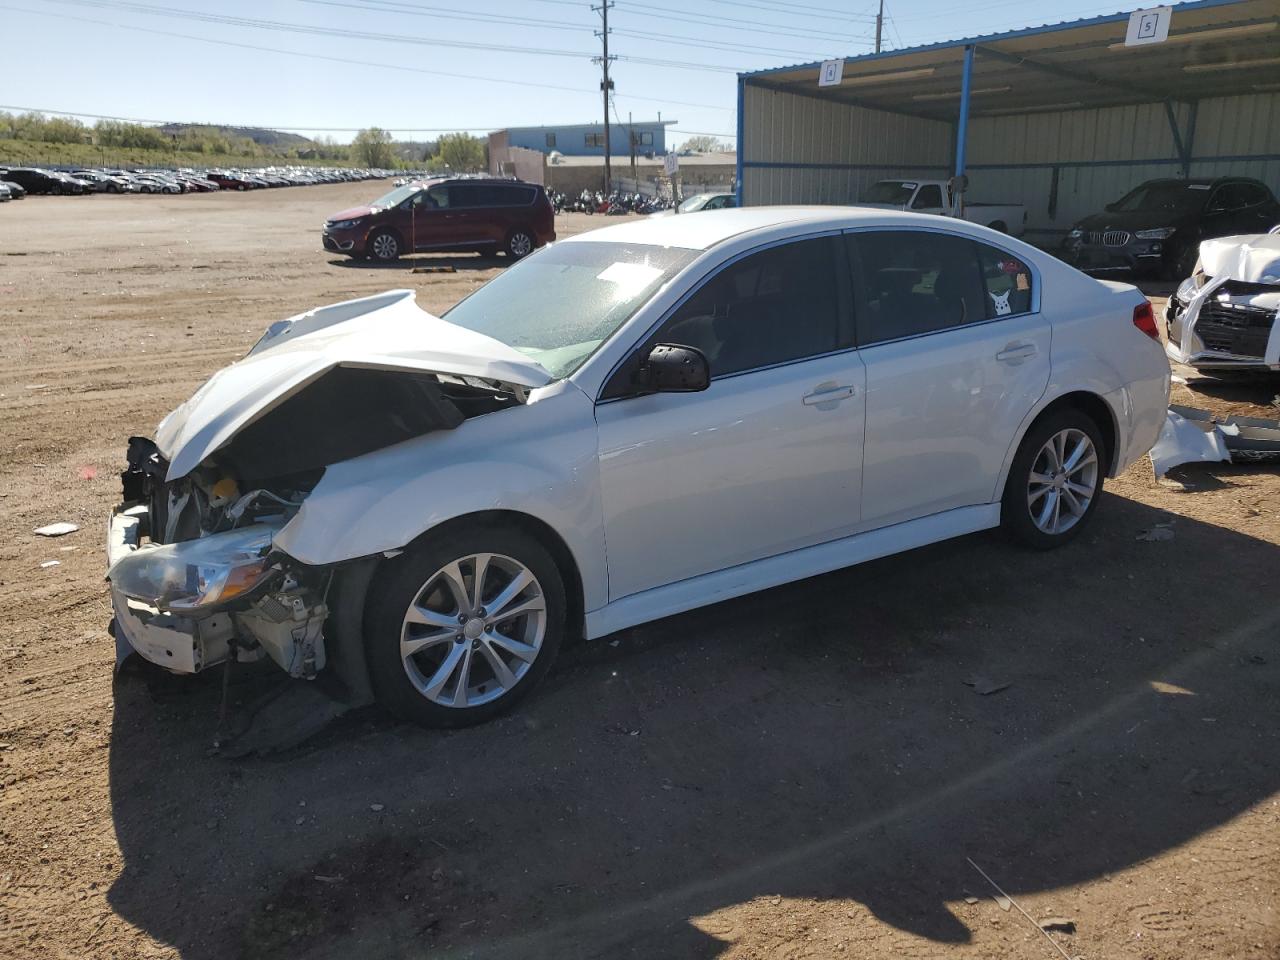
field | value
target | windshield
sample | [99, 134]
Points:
[694, 203]
[1159, 197]
[560, 304]
[889, 191]
[396, 196]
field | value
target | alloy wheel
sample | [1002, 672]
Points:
[385, 246]
[473, 630]
[521, 244]
[1063, 481]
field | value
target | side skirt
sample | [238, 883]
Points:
[747, 578]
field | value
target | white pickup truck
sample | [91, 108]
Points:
[935, 196]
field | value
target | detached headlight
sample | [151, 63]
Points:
[1159, 233]
[196, 574]
[344, 224]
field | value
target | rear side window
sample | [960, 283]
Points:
[771, 307]
[1008, 282]
[914, 282]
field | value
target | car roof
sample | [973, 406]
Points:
[711, 227]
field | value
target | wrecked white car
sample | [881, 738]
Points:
[1223, 317]
[626, 425]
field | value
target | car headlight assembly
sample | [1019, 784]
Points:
[1076, 233]
[345, 224]
[196, 575]
[1159, 233]
[1191, 286]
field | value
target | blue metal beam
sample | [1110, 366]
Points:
[962, 125]
[742, 147]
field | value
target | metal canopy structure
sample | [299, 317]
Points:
[1215, 49]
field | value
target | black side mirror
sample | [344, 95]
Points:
[671, 368]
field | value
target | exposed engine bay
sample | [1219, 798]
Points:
[195, 577]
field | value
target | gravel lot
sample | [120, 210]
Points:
[801, 773]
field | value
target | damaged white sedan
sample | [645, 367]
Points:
[626, 425]
[1224, 316]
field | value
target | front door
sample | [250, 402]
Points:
[431, 224]
[956, 353]
[769, 458]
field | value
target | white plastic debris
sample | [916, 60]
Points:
[1185, 441]
[50, 563]
[56, 529]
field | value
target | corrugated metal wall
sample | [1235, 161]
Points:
[1096, 155]
[836, 150]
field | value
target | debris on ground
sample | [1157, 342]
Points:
[1058, 924]
[1013, 903]
[60, 529]
[376, 807]
[447, 269]
[1190, 435]
[985, 686]
[1161, 531]
[50, 563]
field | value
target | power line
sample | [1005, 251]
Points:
[257, 126]
[826, 13]
[727, 23]
[443, 13]
[345, 60]
[712, 45]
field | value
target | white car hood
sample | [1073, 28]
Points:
[388, 331]
[1254, 258]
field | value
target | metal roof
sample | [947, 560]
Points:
[1215, 48]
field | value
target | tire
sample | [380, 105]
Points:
[1027, 509]
[519, 243]
[383, 247]
[463, 640]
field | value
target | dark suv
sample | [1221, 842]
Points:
[437, 215]
[1157, 226]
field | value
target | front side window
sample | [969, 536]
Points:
[929, 198]
[914, 282]
[771, 307]
[437, 198]
[1007, 280]
[559, 304]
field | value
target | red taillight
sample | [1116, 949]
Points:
[1144, 318]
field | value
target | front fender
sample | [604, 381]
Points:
[537, 459]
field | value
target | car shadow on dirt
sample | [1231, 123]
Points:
[450, 262]
[820, 740]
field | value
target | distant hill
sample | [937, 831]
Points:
[266, 138]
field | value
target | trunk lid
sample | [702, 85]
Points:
[384, 332]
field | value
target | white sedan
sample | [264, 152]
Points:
[630, 423]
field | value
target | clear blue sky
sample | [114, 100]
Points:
[195, 60]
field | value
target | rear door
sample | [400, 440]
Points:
[956, 353]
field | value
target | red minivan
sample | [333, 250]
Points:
[437, 215]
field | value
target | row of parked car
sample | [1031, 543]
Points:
[17, 182]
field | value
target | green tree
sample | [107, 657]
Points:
[372, 147]
[461, 152]
[705, 144]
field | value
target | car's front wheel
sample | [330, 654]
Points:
[463, 625]
[1055, 480]
[384, 246]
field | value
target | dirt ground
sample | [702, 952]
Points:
[800, 773]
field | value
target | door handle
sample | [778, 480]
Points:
[827, 394]
[1015, 353]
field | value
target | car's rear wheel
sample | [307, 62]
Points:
[384, 246]
[463, 625]
[519, 243]
[1055, 480]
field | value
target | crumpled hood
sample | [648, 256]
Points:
[351, 213]
[388, 331]
[1253, 258]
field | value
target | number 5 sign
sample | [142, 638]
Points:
[831, 74]
[1148, 26]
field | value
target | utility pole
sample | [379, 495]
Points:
[605, 84]
[879, 25]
